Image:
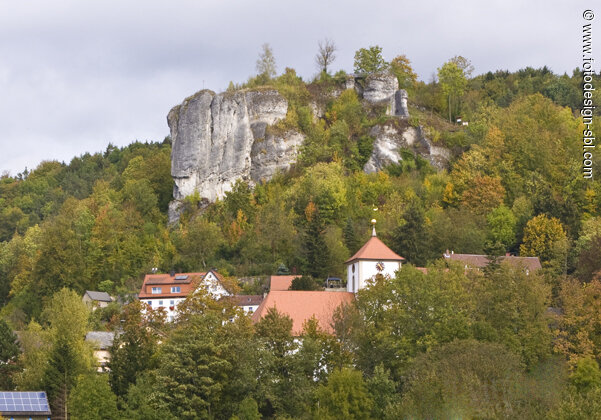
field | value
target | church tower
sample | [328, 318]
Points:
[373, 258]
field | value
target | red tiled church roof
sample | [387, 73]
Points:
[375, 249]
[302, 305]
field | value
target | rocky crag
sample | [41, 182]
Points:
[221, 138]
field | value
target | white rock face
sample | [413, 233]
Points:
[390, 139]
[380, 87]
[213, 137]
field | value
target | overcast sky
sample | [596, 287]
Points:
[78, 74]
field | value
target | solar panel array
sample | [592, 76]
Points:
[30, 402]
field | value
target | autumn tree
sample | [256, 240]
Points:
[541, 236]
[326, 55]
[401, 68]
[579, 328]
[484, 194]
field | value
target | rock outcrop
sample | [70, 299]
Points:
[390, 139]
[220, 138]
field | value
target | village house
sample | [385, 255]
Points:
[167, 291]
[102, 342]
[96, 299]
[477, 262]
[248, 303]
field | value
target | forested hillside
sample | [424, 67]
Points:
[529, 345]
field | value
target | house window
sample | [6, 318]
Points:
[176, 289]
[172, 302]
[160, 303]
[150, 303]
[156, 290]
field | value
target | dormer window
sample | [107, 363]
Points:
[156, 290]
[176, 289]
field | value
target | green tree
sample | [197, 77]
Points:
[304, 283]
[9, 352]
[248, 410]
[501, 226]
[283, 389]
[199, 374]
[453, 82]
[383, 392]
[64, 365]
[133, 351]
[511, 308]
[411, 238]
[587, 374]
[409, 314]
[465, 379]
[344, 397]
[369, 60]
[92, 399]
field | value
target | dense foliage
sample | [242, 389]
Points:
[447, 344]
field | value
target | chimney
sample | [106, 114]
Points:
[172, 273]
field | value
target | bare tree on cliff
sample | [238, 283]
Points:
[326, 54]
[266, 62]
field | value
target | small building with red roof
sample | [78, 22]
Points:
[373, 258]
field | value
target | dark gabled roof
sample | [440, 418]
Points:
[104, 339]
[99, 296]
[479, 261]
[247, 300]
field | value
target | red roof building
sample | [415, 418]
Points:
[302, 305]
[167, 290]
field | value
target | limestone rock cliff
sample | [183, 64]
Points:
[220, 138]
[391, 138]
